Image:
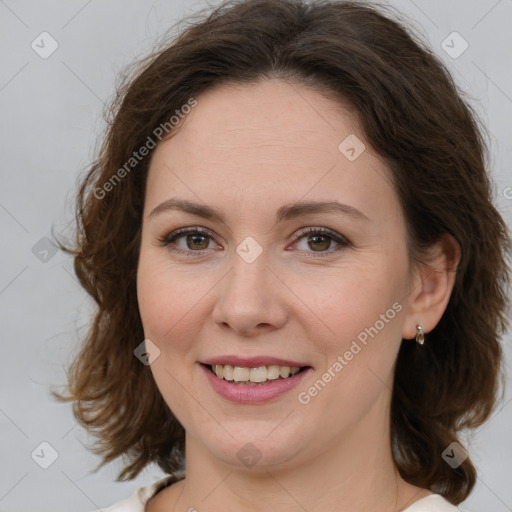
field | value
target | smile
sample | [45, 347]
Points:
[258, 375]
[253, 384]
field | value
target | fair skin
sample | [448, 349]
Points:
[246, 151]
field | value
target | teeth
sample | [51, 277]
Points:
[284, 371]
[241, 374]
[228, 372]
[273, 372]
[256, 375]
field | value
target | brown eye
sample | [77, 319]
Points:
[196, 240]
[319, 241]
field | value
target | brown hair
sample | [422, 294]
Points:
[412, 114]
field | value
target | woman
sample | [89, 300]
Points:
[300, 276]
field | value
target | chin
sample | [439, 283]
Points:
[255, 447]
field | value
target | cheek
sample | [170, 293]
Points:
[359, 299]
[167, 300]
[364, 314]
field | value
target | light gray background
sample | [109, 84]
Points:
[51, 117]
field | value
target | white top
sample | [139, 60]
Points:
[137, 501]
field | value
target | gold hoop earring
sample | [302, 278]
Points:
[420, 336]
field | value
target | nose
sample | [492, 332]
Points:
[250, 299]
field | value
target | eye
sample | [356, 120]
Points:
[195, 240]
[319, 240]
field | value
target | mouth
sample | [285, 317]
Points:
[254, 376]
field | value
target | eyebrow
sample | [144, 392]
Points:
[286, 212]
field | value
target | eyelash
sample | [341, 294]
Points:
[171, 237]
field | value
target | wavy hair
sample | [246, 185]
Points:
[413, 115]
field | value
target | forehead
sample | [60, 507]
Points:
[270, 141]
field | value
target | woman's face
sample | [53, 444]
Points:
[263, 287]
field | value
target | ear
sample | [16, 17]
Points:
[433, 282]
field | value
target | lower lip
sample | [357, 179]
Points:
[258, 394]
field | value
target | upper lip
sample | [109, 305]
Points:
[252, 362]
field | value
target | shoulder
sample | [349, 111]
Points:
[137, 501]
[433, 503]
